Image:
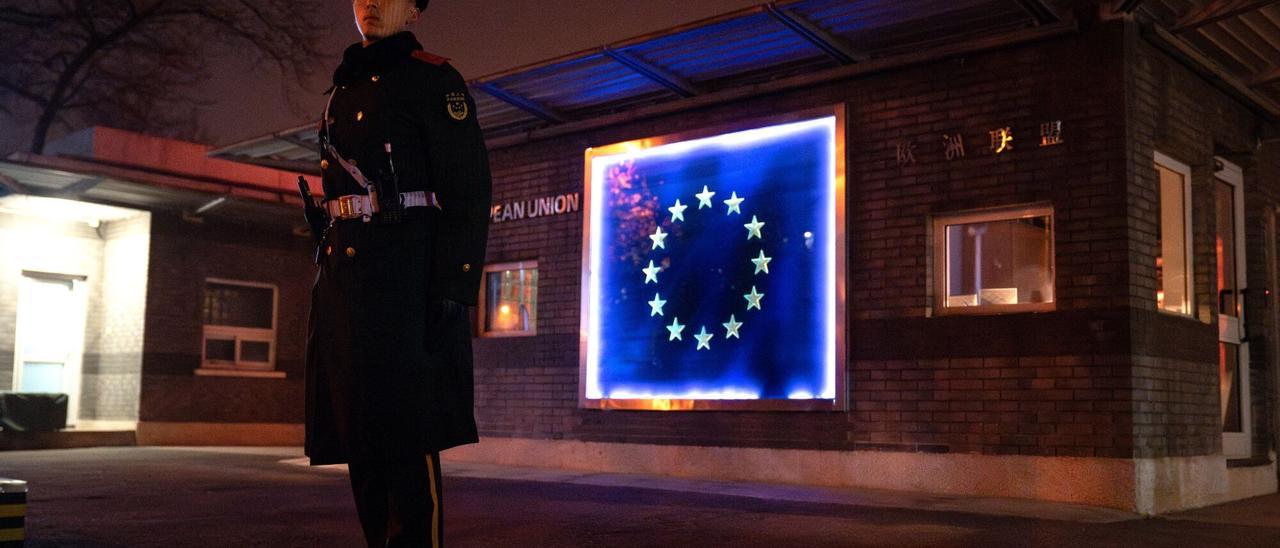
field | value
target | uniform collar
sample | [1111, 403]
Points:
[359, 61]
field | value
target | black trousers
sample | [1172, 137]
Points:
[399, 502]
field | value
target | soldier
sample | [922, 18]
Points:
[401, 239]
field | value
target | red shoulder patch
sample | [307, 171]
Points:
[428, 57]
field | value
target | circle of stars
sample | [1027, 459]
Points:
[675, 329]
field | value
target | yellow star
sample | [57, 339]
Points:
[731, 328]
[704, 197]
[753, 228]
[675, 328]
[704, 339]
[656, 305]
[651, 273]
[659, 238]
[762, 263]
[753, 299]
[733, 202]
[677, 211]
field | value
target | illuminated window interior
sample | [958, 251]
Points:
[1172, 262]
[511, 298]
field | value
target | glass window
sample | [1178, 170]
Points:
[238, 305]
[239, 325]
[1225, 247]
[1229, 387]
[510, 298]
[1173, 261]
[996, 260]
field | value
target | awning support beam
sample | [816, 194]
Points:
[659, 75]
[1268, 76]
[12, 186]
[1042, 12]
[527, 105]
[1126, 6]
[1215, 11]
[832, 45]
[78, 188]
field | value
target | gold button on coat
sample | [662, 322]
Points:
[374, 78]
[351, 252]
[466, 267]
[328, 250]
[359, 115]
[324, 164]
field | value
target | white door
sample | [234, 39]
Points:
[1233, 347]
[50, 337]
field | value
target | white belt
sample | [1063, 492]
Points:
[351, 206]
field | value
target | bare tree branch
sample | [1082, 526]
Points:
[134, 63]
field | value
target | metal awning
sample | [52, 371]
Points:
[735, 50]
[778, 40]
[106, 183]
[1241, 38]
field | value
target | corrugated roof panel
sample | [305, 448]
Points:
[1217, 52]
[580, 83]
[726, 48]
[843, 18]
[495, 113]
[966, 22]
[1234, 44]
[621, 104]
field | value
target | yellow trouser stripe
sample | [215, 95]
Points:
[11, 534]
[435, 504]
[11, 510]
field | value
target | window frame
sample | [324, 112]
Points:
[1231, 329]
[237, 334]
[938, 270]
[483, 306]
[1162, 160]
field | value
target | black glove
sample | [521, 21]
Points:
[440, 322]
[316, 217]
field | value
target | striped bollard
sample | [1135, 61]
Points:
[13, 511]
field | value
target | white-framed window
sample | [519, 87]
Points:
[994, 260]
[239, 320]
[1175, 293]
[509, 299]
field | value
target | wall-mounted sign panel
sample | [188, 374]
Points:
[713, 269]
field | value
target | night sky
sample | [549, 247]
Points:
[480, 36]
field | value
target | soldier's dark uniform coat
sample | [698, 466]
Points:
[388, 355]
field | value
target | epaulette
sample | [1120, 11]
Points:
[428, 57]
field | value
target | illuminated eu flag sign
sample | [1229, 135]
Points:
[712, 270]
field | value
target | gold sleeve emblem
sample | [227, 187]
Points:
[456, 105]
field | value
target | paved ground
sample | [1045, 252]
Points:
[152, 496]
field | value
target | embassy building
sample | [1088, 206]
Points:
[983, 247]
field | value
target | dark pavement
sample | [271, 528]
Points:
[239, 497]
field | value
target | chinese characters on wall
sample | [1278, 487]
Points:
[1002, 142]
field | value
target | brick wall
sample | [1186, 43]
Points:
[1176, 398]
[1054, 383]
[113, 351]
[183, 255]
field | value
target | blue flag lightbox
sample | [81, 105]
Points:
[713, 270]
